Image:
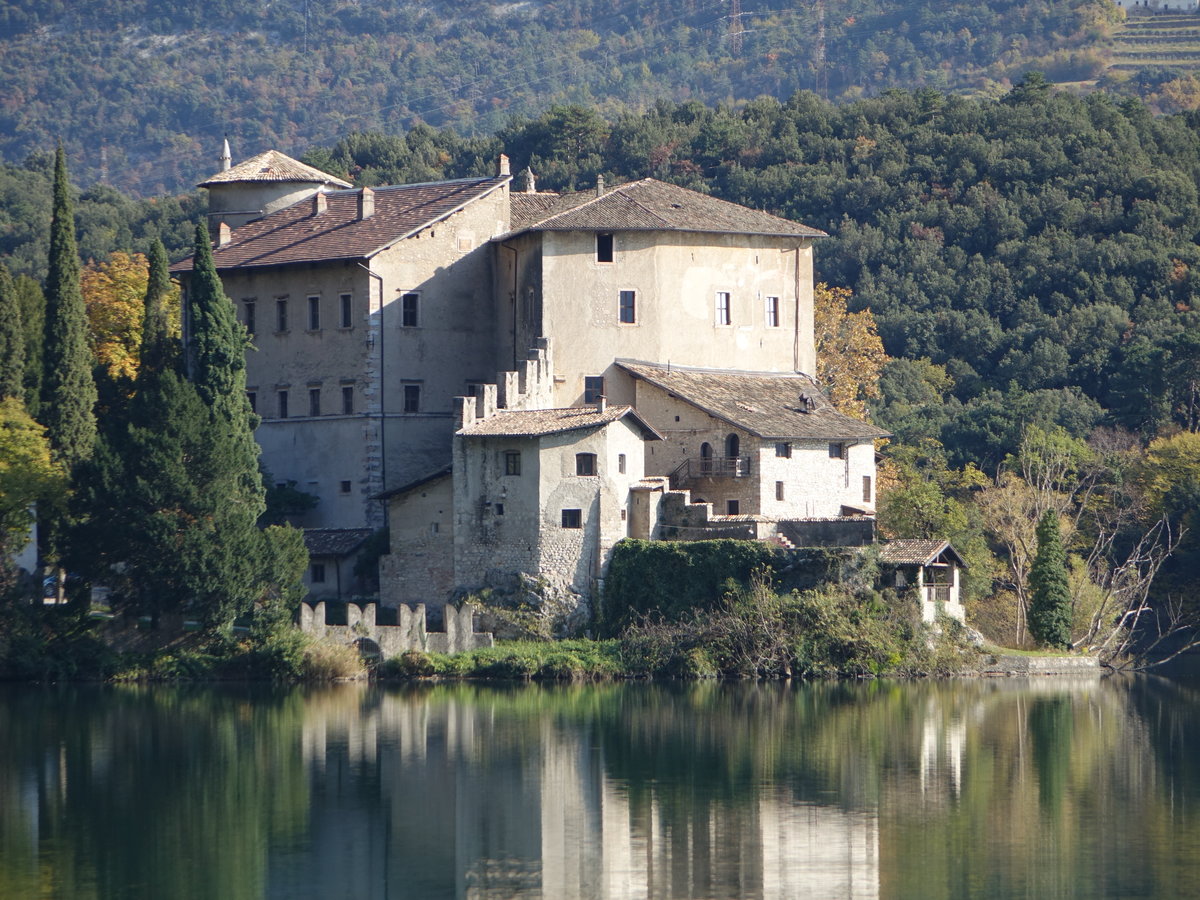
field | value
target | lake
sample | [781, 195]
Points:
[1003, 788]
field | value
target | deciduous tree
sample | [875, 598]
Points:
[850, 357]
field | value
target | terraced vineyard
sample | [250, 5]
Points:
[1160, 40]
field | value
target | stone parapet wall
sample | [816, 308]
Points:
[409, 632]
[1041, 665]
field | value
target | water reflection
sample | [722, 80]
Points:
[1071, 788]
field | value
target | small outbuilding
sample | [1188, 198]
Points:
[932, 568]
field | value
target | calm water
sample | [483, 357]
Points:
[989, 789]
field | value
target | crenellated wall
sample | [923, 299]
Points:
[408, 633]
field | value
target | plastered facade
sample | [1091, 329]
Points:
[550, 283]
[420, 565]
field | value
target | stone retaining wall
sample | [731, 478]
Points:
[1041, 665]
[407, 634]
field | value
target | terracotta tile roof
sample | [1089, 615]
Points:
[915, 552]
[299, 235]
[334, 541]
[538, 422]
[273, 166]
[766, 404]
[428, 478]
[647, 205]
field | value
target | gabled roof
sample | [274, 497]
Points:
[770, 405]
[273, 166]
[647, 205]
[297, 234]
[539, 422]
[334, 541]
[916, 552]
[441, 472]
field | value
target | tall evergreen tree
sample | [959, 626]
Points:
[1050, 601]
[12, 339]
[32, 303]
[158, 351]
[68, 389]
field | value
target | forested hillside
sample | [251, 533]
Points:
[141, 91]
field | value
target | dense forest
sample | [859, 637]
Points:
[141, 92]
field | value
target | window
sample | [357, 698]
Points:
[837, 451]
[772, 310]
[498, 508]
[732, 507]
[593, 388]
[409, 304]
[344, 487]
[779, 490]
[512, 462]
[282, 398]
[252, 397]
[314, 401]
[317, 575]
[866, 489]
[345, 302]
[585, 463]
[783, 450]
[621, 463]
[627, 308]
[281, 322]
[248, 316]
[412, 398]
[724, 316]
[572, 518]
[314, 313]
[347, 401]
[604, 248]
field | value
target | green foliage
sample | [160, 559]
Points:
[1050, 594]
[159, 350]
[51, 645]
[670, 579]
[27, 476]
[68, 389]
[33, 321]
[12, 339]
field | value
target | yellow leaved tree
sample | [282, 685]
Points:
[850, 355]
[115, 292]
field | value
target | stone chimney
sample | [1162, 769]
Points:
[599, 185]
[502, 167]
[601, 403]
[224, 234]
[366, 203]
[320, 203]
[530, 181]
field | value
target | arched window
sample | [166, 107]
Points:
[732, 446]
[706, 458]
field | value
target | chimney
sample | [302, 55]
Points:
[502, 167]
[224, 234]
[319, 203]
[601, 403]
[530, 181]
[226, 157]
[599, 185]
[366, 203]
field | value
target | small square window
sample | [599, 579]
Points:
[779, 490]
[314, 401]
[248, 317]
[621, 463]
[281, 315]
[624, 515]
[783, 450]
[314, 313]
[593, 388]
[627, 307]
[499, 508]
[732, 507]
[346, 304]
[585, 463]
[512, 462]
[347, 401]
[772, 311]
[724, 313]
[409, 308]
[412, 398]
[344, 487]
[837, 451]
[572, 518]
[282, 398]
[317, 573]
[604, 248]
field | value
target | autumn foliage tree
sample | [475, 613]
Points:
[850, 357]
[113, 292]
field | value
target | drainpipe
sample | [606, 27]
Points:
[382, 383]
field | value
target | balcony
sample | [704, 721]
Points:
[695, 467]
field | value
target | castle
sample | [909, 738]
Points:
[514, 380]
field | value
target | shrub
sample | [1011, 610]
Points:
[415, 664]
[327, 660]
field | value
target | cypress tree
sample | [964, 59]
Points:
[32, 303]
[68, 389]
[158, 350]
[12, 339]
[1050, 604]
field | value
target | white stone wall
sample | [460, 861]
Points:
[236, 203]
[676, 277]
[815, 484]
